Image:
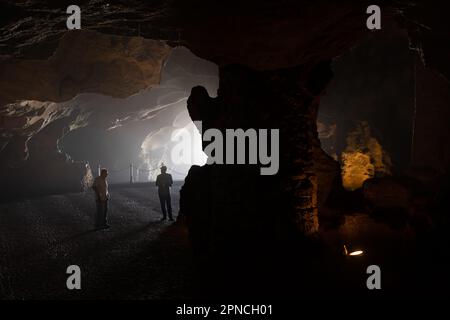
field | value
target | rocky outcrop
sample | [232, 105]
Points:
[85, 61]
[328, 174]
[399, 200]
[31, 162]
[387, 193]
[231, 208]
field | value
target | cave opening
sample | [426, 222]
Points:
[131, 136]
[143, 129]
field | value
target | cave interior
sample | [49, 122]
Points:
[363, 118]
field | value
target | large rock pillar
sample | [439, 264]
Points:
[233, 205]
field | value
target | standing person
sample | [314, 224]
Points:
[164, 182]
[100, 187]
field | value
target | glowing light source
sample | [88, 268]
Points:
[353, 253]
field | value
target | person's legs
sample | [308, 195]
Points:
[98, 215]
[163, 206]
[101, 215]
[169, 206]
[102, 210]
[105, 213]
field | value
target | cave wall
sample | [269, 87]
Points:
[32, 123]
[431, 121]
[30, 161]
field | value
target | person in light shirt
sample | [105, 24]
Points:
[100, 187]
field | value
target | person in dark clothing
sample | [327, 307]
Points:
[164, 182]
[100, 187]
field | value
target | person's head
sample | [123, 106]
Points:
[163, 169]
[103, 173]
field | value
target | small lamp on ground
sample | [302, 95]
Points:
[354, 253]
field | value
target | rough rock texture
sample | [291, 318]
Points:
[29, 134]
[269, 35]
[428, 29]
[402, 200]
[261, 34]
[231, 207]
[32, 28]
[386, 193]
[328, 175]
[431, 121]
[85, 61]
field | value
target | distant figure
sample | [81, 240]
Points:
[100, 187]
[164, 182]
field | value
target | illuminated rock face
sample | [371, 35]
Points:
[82, 62]
[85, 61]
[356, 168]
[363, 158]
[31, 162]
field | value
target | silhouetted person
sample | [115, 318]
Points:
[164, 182]
[100, 187]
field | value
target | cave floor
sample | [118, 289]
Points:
[140, 257]
[137, 258]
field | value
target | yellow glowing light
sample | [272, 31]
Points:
[356, 253]
[353, 253]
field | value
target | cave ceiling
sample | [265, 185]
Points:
[261, 34]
